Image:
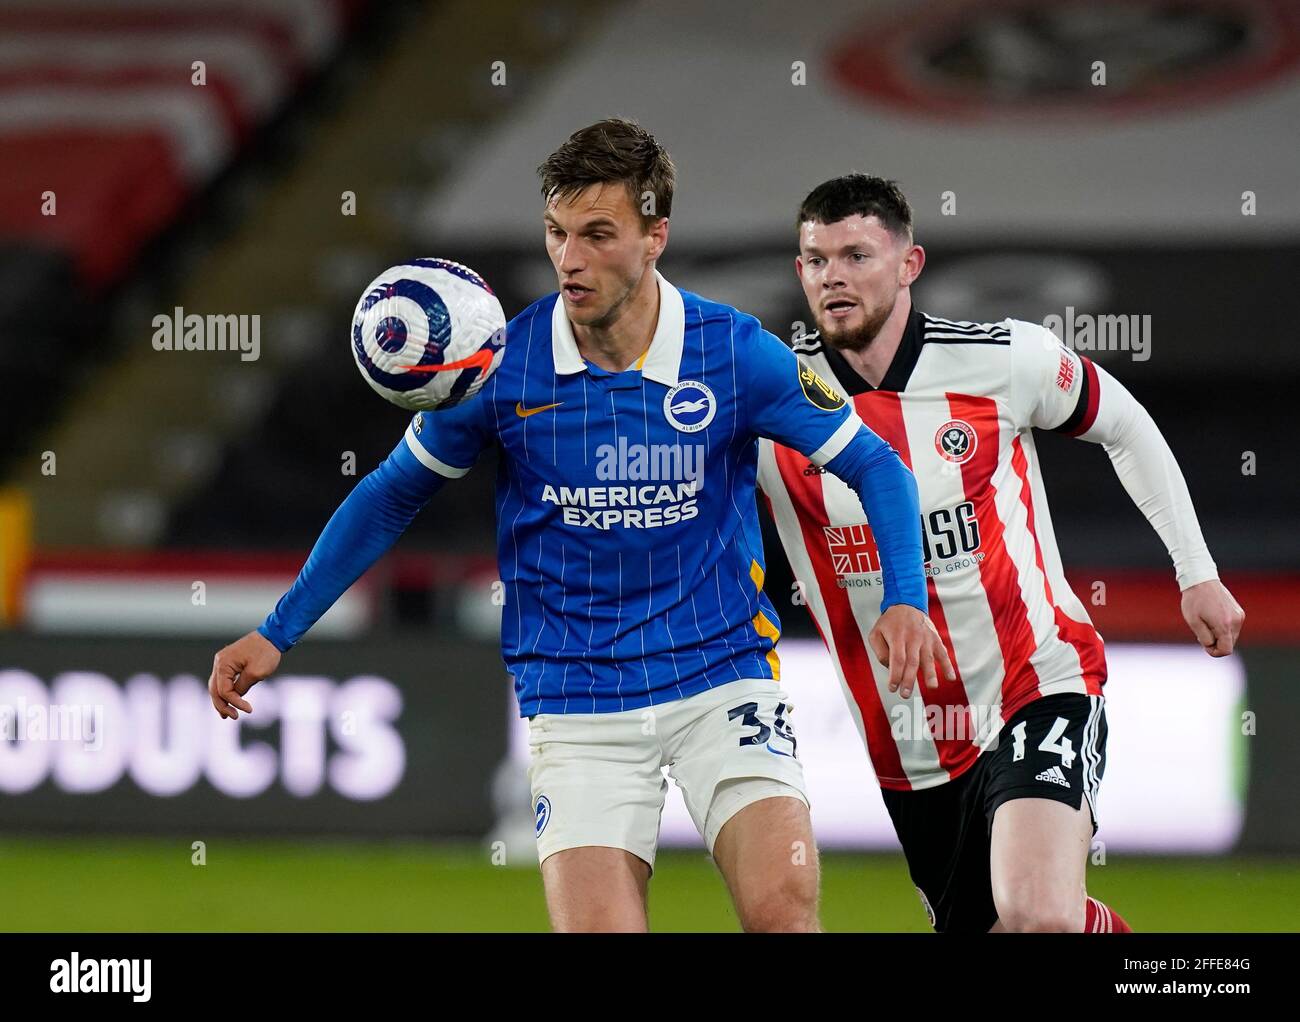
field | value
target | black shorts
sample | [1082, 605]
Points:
[945, 830]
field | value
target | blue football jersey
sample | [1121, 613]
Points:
[627, 526]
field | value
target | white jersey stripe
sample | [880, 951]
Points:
[977, 337]
[970, 625]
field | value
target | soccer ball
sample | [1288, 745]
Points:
[427, 334]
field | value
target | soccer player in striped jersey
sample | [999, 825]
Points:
[990, 777]
[627, 415]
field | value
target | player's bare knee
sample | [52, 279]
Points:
[767, 921]
[579, 912]
[599, 922]
[787, 906]
[784, 915]
[1041, 914]
[1044, 921]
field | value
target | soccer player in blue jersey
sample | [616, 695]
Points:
[636, 627]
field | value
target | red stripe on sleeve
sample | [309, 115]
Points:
[1094, 399]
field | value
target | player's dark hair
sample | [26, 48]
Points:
[613, 150]
[865, 194]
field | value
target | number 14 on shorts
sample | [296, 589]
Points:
[778, 737]
[1052, 742]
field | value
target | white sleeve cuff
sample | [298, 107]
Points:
[1195, 571]
[428, 460]
[837, 442]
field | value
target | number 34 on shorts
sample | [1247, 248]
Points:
[778, 737]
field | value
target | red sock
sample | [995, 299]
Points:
[1099, 918]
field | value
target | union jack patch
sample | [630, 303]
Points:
[853, 549]
[1065, 374]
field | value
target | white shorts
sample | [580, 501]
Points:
[597, 778]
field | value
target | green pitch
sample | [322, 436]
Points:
[87, 884]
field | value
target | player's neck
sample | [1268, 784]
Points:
[873, 361]
[617, 346]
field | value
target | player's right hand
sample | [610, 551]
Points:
[236, 669]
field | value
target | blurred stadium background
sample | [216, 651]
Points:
[267, 159]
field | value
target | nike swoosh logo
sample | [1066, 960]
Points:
[481, 359]
[523, 412]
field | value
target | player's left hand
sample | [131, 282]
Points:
[906, 641]
[1214, 617]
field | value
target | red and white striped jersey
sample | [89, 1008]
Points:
[957, 403]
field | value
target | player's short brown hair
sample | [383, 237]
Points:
[864, 194]
[613, 150]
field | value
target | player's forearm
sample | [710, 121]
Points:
[887, 490]
[1149, 473]
[366, 524]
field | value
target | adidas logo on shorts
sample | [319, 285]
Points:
[1054, 775]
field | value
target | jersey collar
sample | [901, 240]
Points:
[662, 359]
[899, 371]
